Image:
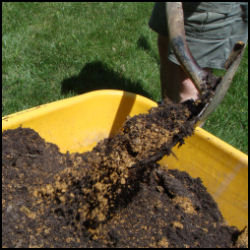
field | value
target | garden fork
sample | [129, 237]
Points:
[200, 77]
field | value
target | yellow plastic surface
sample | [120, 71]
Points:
[76, 124]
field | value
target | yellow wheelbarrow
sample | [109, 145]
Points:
[76, 124]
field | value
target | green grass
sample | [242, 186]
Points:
[56, 50]
[230, 120]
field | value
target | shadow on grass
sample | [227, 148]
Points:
[97, 75]
[142, 43]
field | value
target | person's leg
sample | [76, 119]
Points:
[187, 88]
[175, 84]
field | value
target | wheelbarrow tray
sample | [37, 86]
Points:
[76, 124]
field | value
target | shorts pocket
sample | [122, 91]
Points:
[208, 25]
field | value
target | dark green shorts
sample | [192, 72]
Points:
[212, 28]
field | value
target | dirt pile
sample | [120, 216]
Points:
[113, 196]
[116, 195]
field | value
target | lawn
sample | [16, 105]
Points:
[52, 51]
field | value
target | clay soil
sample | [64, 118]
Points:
[113, 196]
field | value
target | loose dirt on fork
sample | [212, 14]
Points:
[113, 196]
